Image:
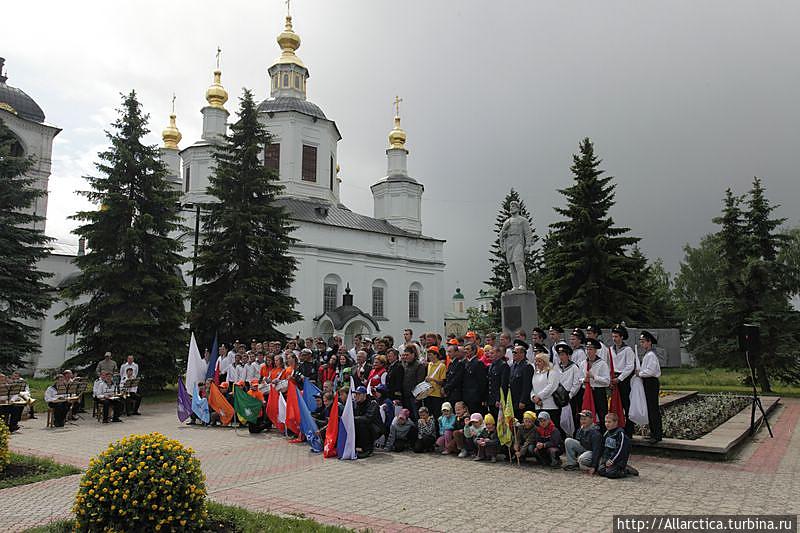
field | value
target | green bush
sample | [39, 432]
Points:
[5, 456]
[142, 483]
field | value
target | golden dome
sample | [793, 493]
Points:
[289, 41]
[216, 95]
[397, 137]
[171, 135]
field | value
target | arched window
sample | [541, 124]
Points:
[414, 301]
[330, 292]
[379, 298]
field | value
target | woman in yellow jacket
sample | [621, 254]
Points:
[437, 370]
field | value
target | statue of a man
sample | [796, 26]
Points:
[516, 239]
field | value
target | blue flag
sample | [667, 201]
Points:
[212, 363]
[309, 391]
[200, 406]
[308, 426]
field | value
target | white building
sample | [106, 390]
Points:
[356, 273]
[394, 272]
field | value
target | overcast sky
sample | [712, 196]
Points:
[681, 98]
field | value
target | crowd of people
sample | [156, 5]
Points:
[430, 394]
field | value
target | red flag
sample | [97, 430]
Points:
[292, 409]
[216, 375]
[220, 404]
[272, 407]
[588, 395]
[615, 406]
[332, 433]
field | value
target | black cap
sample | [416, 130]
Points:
[540, 331]
[594, 343]
[554, 327]
[594, 328]
[564, 348]
[540, 348]
[520, 342]
[646, 335]
[621, 330]
[578, 332]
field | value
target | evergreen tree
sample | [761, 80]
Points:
[501, 277]
[755, 284]
[243, 260]
[697, 285]
[128, 297]
[651, 285]
[587, 268]
[23, 294]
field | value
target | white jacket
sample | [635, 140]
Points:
[571, 378]
[544, 385]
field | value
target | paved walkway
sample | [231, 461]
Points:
[408, 492]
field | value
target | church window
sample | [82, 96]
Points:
[309, 172]
[413, 304]
[286, 80]
[186, 180]
[17, 150]
[328, 297]
[296, 81]
[332, 173]
[379, 298]
[272, 156]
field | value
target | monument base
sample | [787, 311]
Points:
[518, 310]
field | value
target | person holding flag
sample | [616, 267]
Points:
[367, 420]
[622, 364]
[346, 434]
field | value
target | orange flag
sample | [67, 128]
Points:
[292, 409]
[219, 404]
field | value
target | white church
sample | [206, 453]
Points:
[356, 274]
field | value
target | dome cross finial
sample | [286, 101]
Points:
[397, 101]
[219, 51]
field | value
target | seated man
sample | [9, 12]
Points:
[25, 394]
[587, 445]
[134, 399]
[105, 395]
[57, 401]
[616, 449]
[11, 409]
[367, 421]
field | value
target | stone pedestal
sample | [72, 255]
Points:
[518, 309]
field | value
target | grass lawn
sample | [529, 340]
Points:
[39, 385]
[24, 469]
[715, 380]
[232, 520]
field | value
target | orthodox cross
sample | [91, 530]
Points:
[397, 101]
[219, 51]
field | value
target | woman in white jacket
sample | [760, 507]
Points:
[545, 382]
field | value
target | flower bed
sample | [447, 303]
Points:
[693, 418]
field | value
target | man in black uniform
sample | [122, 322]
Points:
[454, 379]
[520, 379]
[474, 389]
[496, 378]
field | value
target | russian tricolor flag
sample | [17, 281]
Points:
[346, 439]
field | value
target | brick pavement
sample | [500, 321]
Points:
[408, 492]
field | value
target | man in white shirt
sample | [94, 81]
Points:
[408, 339]
[593, 331]
[57, 401]
[576, 341]
[134, 399]
[650, 371]
[104, 394]
[624, 364]
[556, 337]
[129, 363]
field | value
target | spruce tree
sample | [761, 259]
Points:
[587, 267]
[24, 296]
[243, 265]
[501, 277]
[128, 298]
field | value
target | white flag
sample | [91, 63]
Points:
[194, 366]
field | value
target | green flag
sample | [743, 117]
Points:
[245, 405]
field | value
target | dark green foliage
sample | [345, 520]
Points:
[589, 274]
[754, 287]
[244, 269]
[23, 294]
[501, 277]
[128, 297]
